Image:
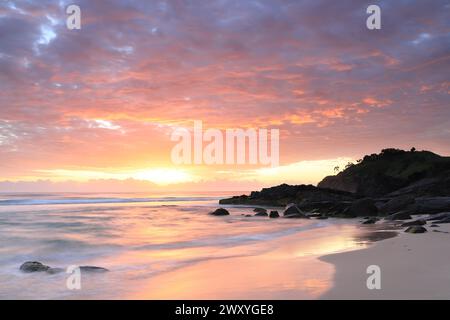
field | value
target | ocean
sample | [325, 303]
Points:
[137, 237]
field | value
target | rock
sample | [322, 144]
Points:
[274, 214]
[261, 214]
[434, 226]
[439, 216]
[93, 269]
[430, 205]
[440, 231]
[416, 229]
[402, 215]
[370, 221]
[248, 216]
[220, 212]
[33, 266]
[260, 210]
[322, 218]
[284, 194]
[445, 220]
[293, 211]
[419, 222]
[396, 204]
[362, 207]
[394, 170]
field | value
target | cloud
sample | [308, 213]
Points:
[106, 95]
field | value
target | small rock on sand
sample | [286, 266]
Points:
[416, 229]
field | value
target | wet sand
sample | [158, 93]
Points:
[286, 268]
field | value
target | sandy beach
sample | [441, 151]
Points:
[413, 266]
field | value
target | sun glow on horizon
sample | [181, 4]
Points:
[159, 176]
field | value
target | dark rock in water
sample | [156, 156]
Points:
[314, 215]
[416, 229]
[274, 214]
[397, 204]
[403, 215]
[434, 226]
[322, 218]
[293, 211]
[261, 214]
[260, 210]
[419, 222]
[93, 269]
[220, 212]
[248, 216]
[370, 221]
[362, 207]
[33, 266]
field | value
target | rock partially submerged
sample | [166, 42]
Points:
[33, 266]
[293, 211]
[260, 212]
[220, 212]
[274, 214]
[36, 266]
[416, 229]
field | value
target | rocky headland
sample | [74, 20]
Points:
[394, 184]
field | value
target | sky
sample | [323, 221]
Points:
[94, 109]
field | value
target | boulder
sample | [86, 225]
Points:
[396, 204]
[416, 229]
[430, 205]
[274, 214]
[402, 215]
[419, 222]
[261, 214]
[220, 212]
[293, 211]
[33, 266]
[361, 208]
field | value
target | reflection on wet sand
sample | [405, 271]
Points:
[286, 268]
